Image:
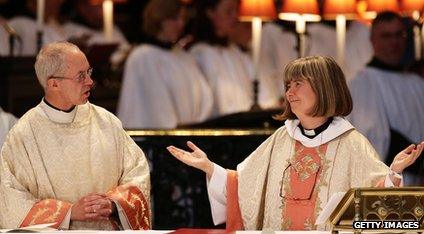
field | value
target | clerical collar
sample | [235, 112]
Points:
[57, 115]
[50, 105]
[311, 133]
[336, 128]
[377, 63]
[161, 44]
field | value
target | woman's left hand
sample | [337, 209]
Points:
[406, 157]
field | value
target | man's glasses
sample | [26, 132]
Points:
[82, 76]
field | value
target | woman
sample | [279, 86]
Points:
[223, 63]
[286, 182]
[162, 86]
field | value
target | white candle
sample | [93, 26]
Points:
[40, 14]
[301, 29]
[417, 42]
[108, 19]
[341, 38]
[256, 43]
[422, 37]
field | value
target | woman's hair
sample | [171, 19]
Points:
[156, 12]
[202, 27]
[328, 82]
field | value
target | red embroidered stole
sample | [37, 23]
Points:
[134, 204]
[298, 187]
[47, 211]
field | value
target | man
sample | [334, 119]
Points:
[69, 162]
[387, 102]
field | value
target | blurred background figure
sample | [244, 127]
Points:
[6, 123]
[4, 47]
[387, 100]
[270, 90]
[358, 49]
[26, 26]
[85, 28]
[278, 48]
[163, 86]
[222, 62]
[4, 37]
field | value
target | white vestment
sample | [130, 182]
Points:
[4, 40]
[26, 28]
[350, 161]
[269, 91]
[163, 89]
[384, 100]
[278, 48]
[97, 37]
[358, 51]
[50, 154]
[227, 75]
[6, 123]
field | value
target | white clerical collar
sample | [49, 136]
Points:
[336, 128]
[309, 132]
[57, 115]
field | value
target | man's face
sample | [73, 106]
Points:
[75, 89]
[389, 41]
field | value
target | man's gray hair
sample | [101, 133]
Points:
[51, 60]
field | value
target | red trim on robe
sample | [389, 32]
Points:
[234, 220]
[301, 197]
[134, 205]
[47, 211]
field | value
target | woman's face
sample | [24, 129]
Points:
[301, 97]
[224, 17]
[172, 28]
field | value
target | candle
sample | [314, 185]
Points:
[40, 14]
[108, 19]
[256, 43]
[417, 42]
[301, 29]
[341, 38]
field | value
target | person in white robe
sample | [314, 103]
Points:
[322, 40]
[4, 38]
[86, 29]
[278, 48]
[69, 162]
[7, 121]
[162, 86]
[386, 98]
[285, 183]
[222, 62]
[26, 28]
[269, 86]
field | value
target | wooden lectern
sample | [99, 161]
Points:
[382, 205]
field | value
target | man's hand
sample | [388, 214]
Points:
[94, 206]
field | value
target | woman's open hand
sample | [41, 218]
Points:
[406, 157]
[197, 158]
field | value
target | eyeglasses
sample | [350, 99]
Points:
[82, 76]
[286, 184]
